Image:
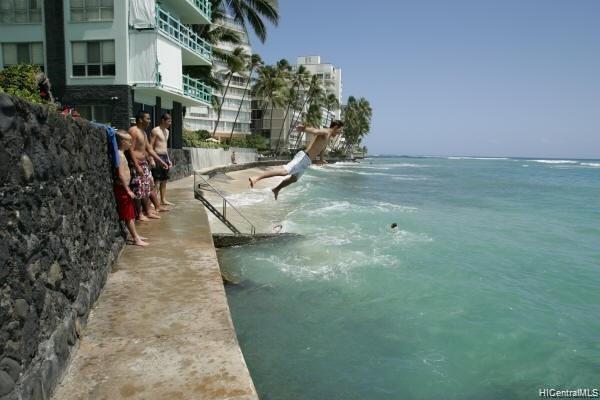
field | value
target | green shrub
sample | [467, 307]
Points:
[197, 139]
[20, 80]
[257, 142]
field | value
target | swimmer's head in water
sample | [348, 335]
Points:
[394, 225]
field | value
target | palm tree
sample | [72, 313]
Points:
[236, 63]
[314, 94]
[269, 87]
[254, 62]
[332, 103]
[300, 78]
[357, 120]
[313, 115]
[248, 12]
[244, 12]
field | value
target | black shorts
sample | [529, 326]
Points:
[159, 173]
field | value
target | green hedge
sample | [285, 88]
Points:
[20, 80]
[198, 139]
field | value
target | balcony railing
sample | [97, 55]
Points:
[204, 6]
[183, 35]
[196, 89]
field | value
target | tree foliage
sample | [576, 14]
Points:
[20, 80]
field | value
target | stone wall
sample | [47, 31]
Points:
[182, 164]
[59, 234]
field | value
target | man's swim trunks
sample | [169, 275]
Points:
[141, 185]
[159, 173]
[124, 204]
[298, 165]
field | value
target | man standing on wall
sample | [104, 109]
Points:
[141, 182]
[158, 141]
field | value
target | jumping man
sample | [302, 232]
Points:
[302, 160]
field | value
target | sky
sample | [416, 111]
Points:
[458, 77]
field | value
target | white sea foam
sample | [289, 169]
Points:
[554, 161]
[408, 165]
[478, 158]
[347, 207]
[409, 178]
[403, 237]
[383, 206]
[250, 197]
[593, 165]
[357, 166]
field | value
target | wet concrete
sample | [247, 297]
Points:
[162, 329]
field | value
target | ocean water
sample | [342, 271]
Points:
[488, 289]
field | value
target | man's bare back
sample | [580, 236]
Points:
[160, 137]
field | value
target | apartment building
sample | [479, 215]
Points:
[111, 58]
[238, 93]
[287, 138]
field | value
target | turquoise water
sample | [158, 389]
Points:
[488, 289]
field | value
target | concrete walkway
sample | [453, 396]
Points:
[161, 329]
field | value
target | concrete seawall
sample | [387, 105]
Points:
[162, 329]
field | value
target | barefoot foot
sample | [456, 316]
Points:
[153, 216]
[139, 242]
[142, 218]
[163, 209]
[167, 203]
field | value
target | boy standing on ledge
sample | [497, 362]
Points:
[123, 193]
[302, 159]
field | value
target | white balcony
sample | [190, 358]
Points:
[191, 11]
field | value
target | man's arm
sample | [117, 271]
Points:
[134, 138]
[312, 131]
[124, 183]
[150, 150]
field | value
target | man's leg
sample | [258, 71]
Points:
[137, 239]
[154, 200]
[147, 210]
[284, 183]
[139, 210]
[279, 171]
[163, 194]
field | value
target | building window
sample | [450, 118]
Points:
[94, 113]
[23, 53]
[20, 11]
[91, 10]
[94, 58]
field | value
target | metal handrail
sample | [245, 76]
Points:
[225, 201]
[183, 35]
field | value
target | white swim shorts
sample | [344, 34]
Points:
[298, 165]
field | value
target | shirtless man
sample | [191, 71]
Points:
[302, 160]
[123, 193]
[141, 179]
[158, 141]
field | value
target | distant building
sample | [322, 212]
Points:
[205, 117]
[330, 75]
[331, 79]
[110, 58]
